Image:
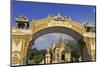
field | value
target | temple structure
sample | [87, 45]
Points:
[57, 53]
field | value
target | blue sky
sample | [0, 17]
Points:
[39, 10]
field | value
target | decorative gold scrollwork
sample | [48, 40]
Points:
[16, 57]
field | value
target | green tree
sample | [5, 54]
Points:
[75, 50]
[38, 59]
[72, 44]
[37, 55]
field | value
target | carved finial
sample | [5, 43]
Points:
[48, 15]
[59, 14]
[59, 17]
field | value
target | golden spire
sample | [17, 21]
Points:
[61, 41]
[53, 45]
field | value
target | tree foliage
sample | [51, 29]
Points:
[38, 58]
[73, 46]
[37, 55]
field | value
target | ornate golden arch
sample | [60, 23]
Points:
[22, 37]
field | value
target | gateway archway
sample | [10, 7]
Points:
[22, 39]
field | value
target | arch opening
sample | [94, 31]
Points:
[75, 35]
